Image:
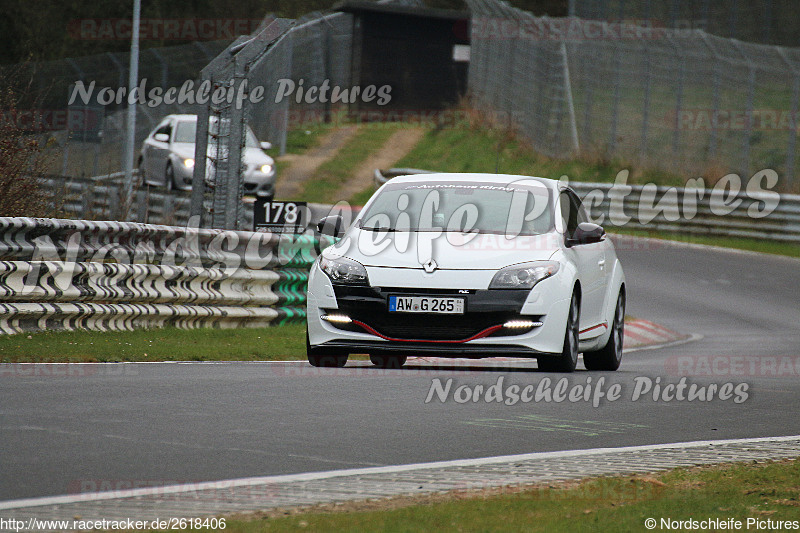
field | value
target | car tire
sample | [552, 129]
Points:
[609, 356]
[324, 358]
[169, 177]
[388, 361]
[567, 360]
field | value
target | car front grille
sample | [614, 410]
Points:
[484, 310]
[431, 327]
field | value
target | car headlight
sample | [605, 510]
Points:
[266, 169]
[523, 275]
[188, 163]
[343, 270]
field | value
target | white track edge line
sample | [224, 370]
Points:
[313, 476]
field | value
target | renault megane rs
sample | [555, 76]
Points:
[468, 265]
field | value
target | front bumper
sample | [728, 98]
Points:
[259, 183]
[479, 332]
[255, 182]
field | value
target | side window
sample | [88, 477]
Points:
[166, 128]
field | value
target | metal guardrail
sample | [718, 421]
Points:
[102, 197]
[68, 274]
[680, 210]
[694, 211]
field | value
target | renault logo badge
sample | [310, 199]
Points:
[430, 266]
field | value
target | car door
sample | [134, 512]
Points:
[590, 261]
[158, 153]
[147, 154]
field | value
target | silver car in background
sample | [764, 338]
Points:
[167, 157]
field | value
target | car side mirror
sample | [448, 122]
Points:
[587, 233]
[161, 137]
[265, 145]
[330, 225]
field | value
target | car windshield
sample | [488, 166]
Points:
[519, 208]
[186, 131]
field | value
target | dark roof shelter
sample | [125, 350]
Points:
[421, 53]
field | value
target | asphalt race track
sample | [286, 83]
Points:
[91, 427]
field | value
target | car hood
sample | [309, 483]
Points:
[257, 157]
[449, 250]
[183, 150]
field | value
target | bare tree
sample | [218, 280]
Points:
[21, 155]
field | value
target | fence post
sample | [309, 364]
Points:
[570, 103]
[615, 108]
[713, 141]
[751, 89]
[589, 100]
[646, 108]
[676, 134]
[792, 145]
[790, 152]
[236, 136]
[510, 82]
[287, 108]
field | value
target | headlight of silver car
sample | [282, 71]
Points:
[266, 169]
[343, 270]
[523, 275]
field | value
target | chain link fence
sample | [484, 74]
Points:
[284, 58]
[89, 138]
[685, 102]
[765, 21]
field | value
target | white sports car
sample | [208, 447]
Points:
[468, 265]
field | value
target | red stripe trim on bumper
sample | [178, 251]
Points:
[486, 332]
[605, 325]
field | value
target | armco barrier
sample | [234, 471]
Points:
[101, 198]
[67, 274]
[681, 210]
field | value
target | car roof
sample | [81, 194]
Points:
[471, 177]
[184, 116]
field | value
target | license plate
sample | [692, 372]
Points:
[426, 304]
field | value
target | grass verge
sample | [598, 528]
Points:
[168, 344]
[765, 491]
[477, 148]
